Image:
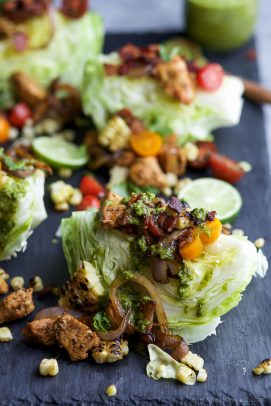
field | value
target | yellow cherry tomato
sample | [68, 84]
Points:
[192, 250]
[4, 129]
[146, 143]
[211, 231]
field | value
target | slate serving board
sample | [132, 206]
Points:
[242, 340]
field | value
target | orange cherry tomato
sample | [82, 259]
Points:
[192, 250]
[212, 231]
[146, 143]
[4, 129]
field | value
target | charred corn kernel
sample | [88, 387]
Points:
[36, 284]
[263, 368]
[246, 166]
[191, 151]
[202, 375]
[76, 197]
[49, 367]
[110, 351]
[17, 283]
[65, 173]
[238, 232]
[4, 275]
[62, 206]
[111, 391]
[182, 222]
[186, 375]
[116, 134]
[193, 360]
[172, 179]
[181, 184]
[259, 243]
[5, 335]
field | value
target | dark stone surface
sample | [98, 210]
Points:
[241, 342]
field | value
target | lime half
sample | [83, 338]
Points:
[60, 153]
[213, 194]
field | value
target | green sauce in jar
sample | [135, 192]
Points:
[221, 24]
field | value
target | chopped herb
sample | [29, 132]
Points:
[101, 322]
[201, 307]
[128, 274]
[142, 325]
[199, 215]
[164, 253]
[142, 244]
[10, 164]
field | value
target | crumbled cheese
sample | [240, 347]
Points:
[17, 282]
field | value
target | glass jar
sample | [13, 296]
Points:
[221, 24]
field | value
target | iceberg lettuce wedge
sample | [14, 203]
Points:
[208, 287]
[105, 95]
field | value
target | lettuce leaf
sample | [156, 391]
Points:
[21, 210]
[208, 287]
[74, 41]
[104, 95]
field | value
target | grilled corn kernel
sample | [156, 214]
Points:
[116, 134]
[65, 173]
[263, 368]
[193, 360]
[110, 351]
[17, 282]
[4, 275]
[202, 375]
[36, 284]
[49, 367]
[5, 335]
[62, 206]
[76, 197]
[186, 375]
[259, 243]
[111, 391]
[191, 151]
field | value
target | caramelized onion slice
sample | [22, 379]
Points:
[57, 311]
[113, 334]
[148, 286]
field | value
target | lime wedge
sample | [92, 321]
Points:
[213, 194]
[60, 153]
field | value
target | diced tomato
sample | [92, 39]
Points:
[210, 77]
[90, 186]
[19, 115]
[89, 201]
[4, 130]
[225, 168]
[205, 150]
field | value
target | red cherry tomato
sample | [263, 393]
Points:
[206, 148]
[210, 77]
[225, 168]
[19, 115]
[90, 186]
[89, 201]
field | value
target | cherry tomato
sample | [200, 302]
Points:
[4, 129]
[210, 77]
[89, 201]
[19, 115]
[90, 186]
[225, 168]
[205, 150]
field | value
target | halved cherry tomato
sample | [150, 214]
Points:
[212, 231]
[192, 250]
[90, 186]
[225, 168]
[146, 143]
[89, 201]
[205, 150]
[210, 77]
[4, 129]
[19, 115]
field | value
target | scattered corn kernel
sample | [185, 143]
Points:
[191, 151]
[167, 191]
[111, 391]
[47, 126]
[4, 274]
[49, 367]
[181, 184]
[246, 166]
[36, 284]
[17, 282]
[62, 206]
[76, 197]
[5, 335]
[202, 375]
[238, 232]
[263, 368]
[259, 243]
[116, 134]
[65, 173]
[172, 179]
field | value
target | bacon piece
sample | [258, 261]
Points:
[20, 41]
[20, 11]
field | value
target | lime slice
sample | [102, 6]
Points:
[213, 194]
[59, 153]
